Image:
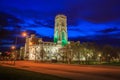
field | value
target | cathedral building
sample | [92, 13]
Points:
[37, 49]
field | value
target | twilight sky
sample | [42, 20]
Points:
[87, 20]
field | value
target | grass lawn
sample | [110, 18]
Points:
[7, 73]
[112, 63]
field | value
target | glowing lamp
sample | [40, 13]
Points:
[13, 47]
[24, 34]
[30, 43]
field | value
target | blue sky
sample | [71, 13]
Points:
[87, 20]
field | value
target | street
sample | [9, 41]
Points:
[74, 72]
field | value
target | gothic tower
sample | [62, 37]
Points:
[60, 31]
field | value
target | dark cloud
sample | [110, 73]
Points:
[97, 11]
[108, 40]
[93, 10]
[46, 23]
[31, 32]
[87, 20]
[111, 39]
[8, 19]
[114, 29]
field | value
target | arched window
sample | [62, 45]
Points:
[62, 24]
[64, 40]
[56, 36]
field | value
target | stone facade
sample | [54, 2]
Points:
[37, 49]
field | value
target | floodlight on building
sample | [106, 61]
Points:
[30, 43]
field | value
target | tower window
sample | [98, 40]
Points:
[63, 24]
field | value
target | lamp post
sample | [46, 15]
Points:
[24, 34]
[15, 46]
[14, 49]
[0, 55]
[99, 55]
[14, 53]
[108, 58]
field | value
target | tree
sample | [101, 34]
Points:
[42, 54]
[107, 52]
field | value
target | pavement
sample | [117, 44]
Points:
[73, 72]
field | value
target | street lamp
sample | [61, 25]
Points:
[108, 57]
[24, 34]
[13, 47]
[99, 55]
[0, 53]
[14, 53]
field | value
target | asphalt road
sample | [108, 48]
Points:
[74, 72]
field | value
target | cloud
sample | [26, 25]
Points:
[87, 20]
[8, 19]
[93, 10]
[109, 30]
[6, 41]
[42, 31]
